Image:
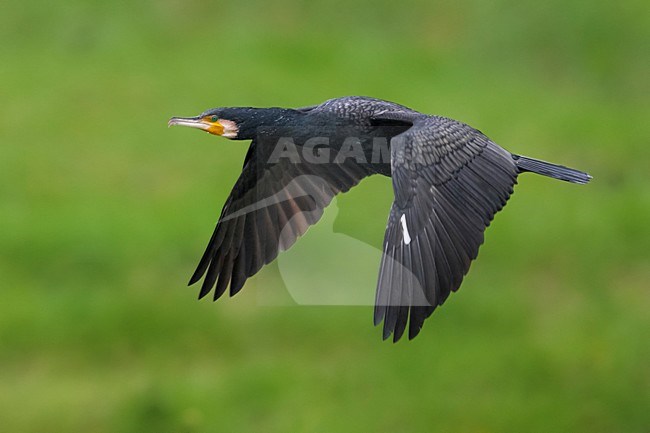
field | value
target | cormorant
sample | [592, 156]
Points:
[448, 178]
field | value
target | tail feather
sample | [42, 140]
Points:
[551, 170]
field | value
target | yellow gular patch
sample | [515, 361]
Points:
[215, 128]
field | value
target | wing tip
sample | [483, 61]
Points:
[194, 279]
[205, 289]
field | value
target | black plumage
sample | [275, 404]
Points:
[448, 179]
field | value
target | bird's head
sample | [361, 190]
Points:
[218, 121]
[237, 123]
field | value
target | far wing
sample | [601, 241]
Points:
[270, 206]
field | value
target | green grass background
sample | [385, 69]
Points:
[105, 212]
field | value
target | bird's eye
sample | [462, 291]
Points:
[214, 118]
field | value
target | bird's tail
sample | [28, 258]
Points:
[551, 170]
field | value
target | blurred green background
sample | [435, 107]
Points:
[105, 212]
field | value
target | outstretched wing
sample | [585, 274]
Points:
[270, 206]
[449, 181]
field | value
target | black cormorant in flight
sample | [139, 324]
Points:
[448, 179]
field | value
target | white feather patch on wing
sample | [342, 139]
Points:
[405, 230]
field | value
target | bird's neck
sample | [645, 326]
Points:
[267, 121]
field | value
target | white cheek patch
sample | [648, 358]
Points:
[230, 128]
[405, 230]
